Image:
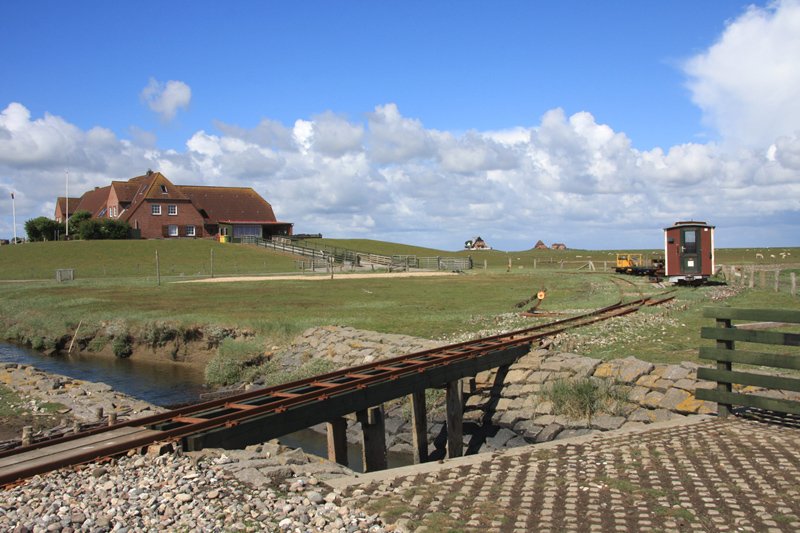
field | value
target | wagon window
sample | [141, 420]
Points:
[690, 241]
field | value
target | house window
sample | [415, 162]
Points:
[190, 232]
[155, 209]
[248, 230]
[112, 211]
[163, 189]
[172, 230]
[172, 209]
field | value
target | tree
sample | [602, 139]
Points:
[75, 220]
[41, 229]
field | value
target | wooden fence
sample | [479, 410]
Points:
[726, 353]
[763, 277]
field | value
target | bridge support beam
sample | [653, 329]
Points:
[419, 426]
[337, 441]
[373, 439]
[455, 419]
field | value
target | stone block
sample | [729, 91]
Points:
[528, 429]
[544, 420]
[539, 377]
[687, 384]
[676, 372]
[653, 399]
[543, 408]
[648, 380]
[637, 394]
[500, 438]
[517, 376]
[510, 418]
[548, 433]
[663, 385]
[607, 422]
[673, 398]
[569, 433]
[689, 405]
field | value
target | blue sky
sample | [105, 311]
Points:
[591, 123]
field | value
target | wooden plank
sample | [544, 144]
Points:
[113, 434]
[724, 409]
[373, 439]
[776, 360]
[419, 426]
[746, 378]
[749, 400]
[63, 452]
[750, 335]
[455, 419]
[759, 315]
[337, 440]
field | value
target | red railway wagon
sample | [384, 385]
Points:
[689, 252]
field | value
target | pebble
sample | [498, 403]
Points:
[173, 493]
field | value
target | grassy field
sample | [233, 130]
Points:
[112, 287]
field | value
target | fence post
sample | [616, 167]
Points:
[752, 277]
[724, 409]
[762, 279]
[777, 280]
[793, 277]
[158, 271]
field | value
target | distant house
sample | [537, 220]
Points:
[62, 204]
[540, 246]
[559, 246]
[156, 208]
[477, 244]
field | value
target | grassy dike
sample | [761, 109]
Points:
[123, 312]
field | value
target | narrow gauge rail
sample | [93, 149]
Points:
[172, 426]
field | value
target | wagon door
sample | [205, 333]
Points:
[690, 251]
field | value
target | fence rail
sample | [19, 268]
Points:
[726, 353]
[322, 254]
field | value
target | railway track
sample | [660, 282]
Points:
[229, 412]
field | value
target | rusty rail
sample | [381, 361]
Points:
[233, 410]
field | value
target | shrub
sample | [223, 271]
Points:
[233, 356]
[41, 229]
[157, 334]
[75, 220]
[122, 346]
[106, 228]
[97, 343]
[585, 397]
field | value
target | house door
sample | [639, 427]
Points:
[690, 251]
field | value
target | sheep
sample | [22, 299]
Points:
[759, 256]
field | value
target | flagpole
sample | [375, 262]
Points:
[66, 202]
[14, 215]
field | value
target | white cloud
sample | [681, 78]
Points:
[566, 179]
[748, 82]
[166, 98]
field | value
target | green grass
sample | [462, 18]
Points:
[137, 259]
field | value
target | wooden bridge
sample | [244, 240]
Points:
[261, 415]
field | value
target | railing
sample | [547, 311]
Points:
[322, 253]
[726, 353]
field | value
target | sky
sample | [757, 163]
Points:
[595, 124]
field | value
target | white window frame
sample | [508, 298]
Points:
[191, 231]
[172, 230]
[155, 209]
[172, 210]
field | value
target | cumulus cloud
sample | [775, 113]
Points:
[747, 83]
[166, 98]
[566, 178]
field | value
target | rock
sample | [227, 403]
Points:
[548, 433]
[569, 433]
[314, 497]
[501, 438]
[607, 422]
[673, 398]
[628, 370]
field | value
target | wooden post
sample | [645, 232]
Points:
[212, 262]
[373, 439]
[337, 441]
[777, 280]
[752, 277]
[723, 409]
[485, 264]
[762, 278]
[98, 413]
[158, 271]
[112, 418]
[793, 277]
[27, 435]
[508, 269]
[534, 263]
[455, 420]
[419, 426]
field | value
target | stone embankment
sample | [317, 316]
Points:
[515, 409]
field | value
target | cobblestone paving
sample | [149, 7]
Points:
[716, 475]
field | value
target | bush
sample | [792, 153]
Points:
[157, 334]
[106, 228]
[75, 220]
[585, 397]
[41, 229]
[122, 346]
[233, 357]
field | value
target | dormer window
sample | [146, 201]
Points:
[163, 189]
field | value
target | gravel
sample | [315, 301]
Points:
[173, 492]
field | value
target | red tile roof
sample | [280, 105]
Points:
[230, 204]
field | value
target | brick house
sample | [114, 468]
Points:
[156, 208]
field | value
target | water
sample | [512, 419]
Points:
[164, 384]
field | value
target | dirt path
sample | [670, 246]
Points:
[321, 277]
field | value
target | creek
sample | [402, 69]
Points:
[163, 384]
